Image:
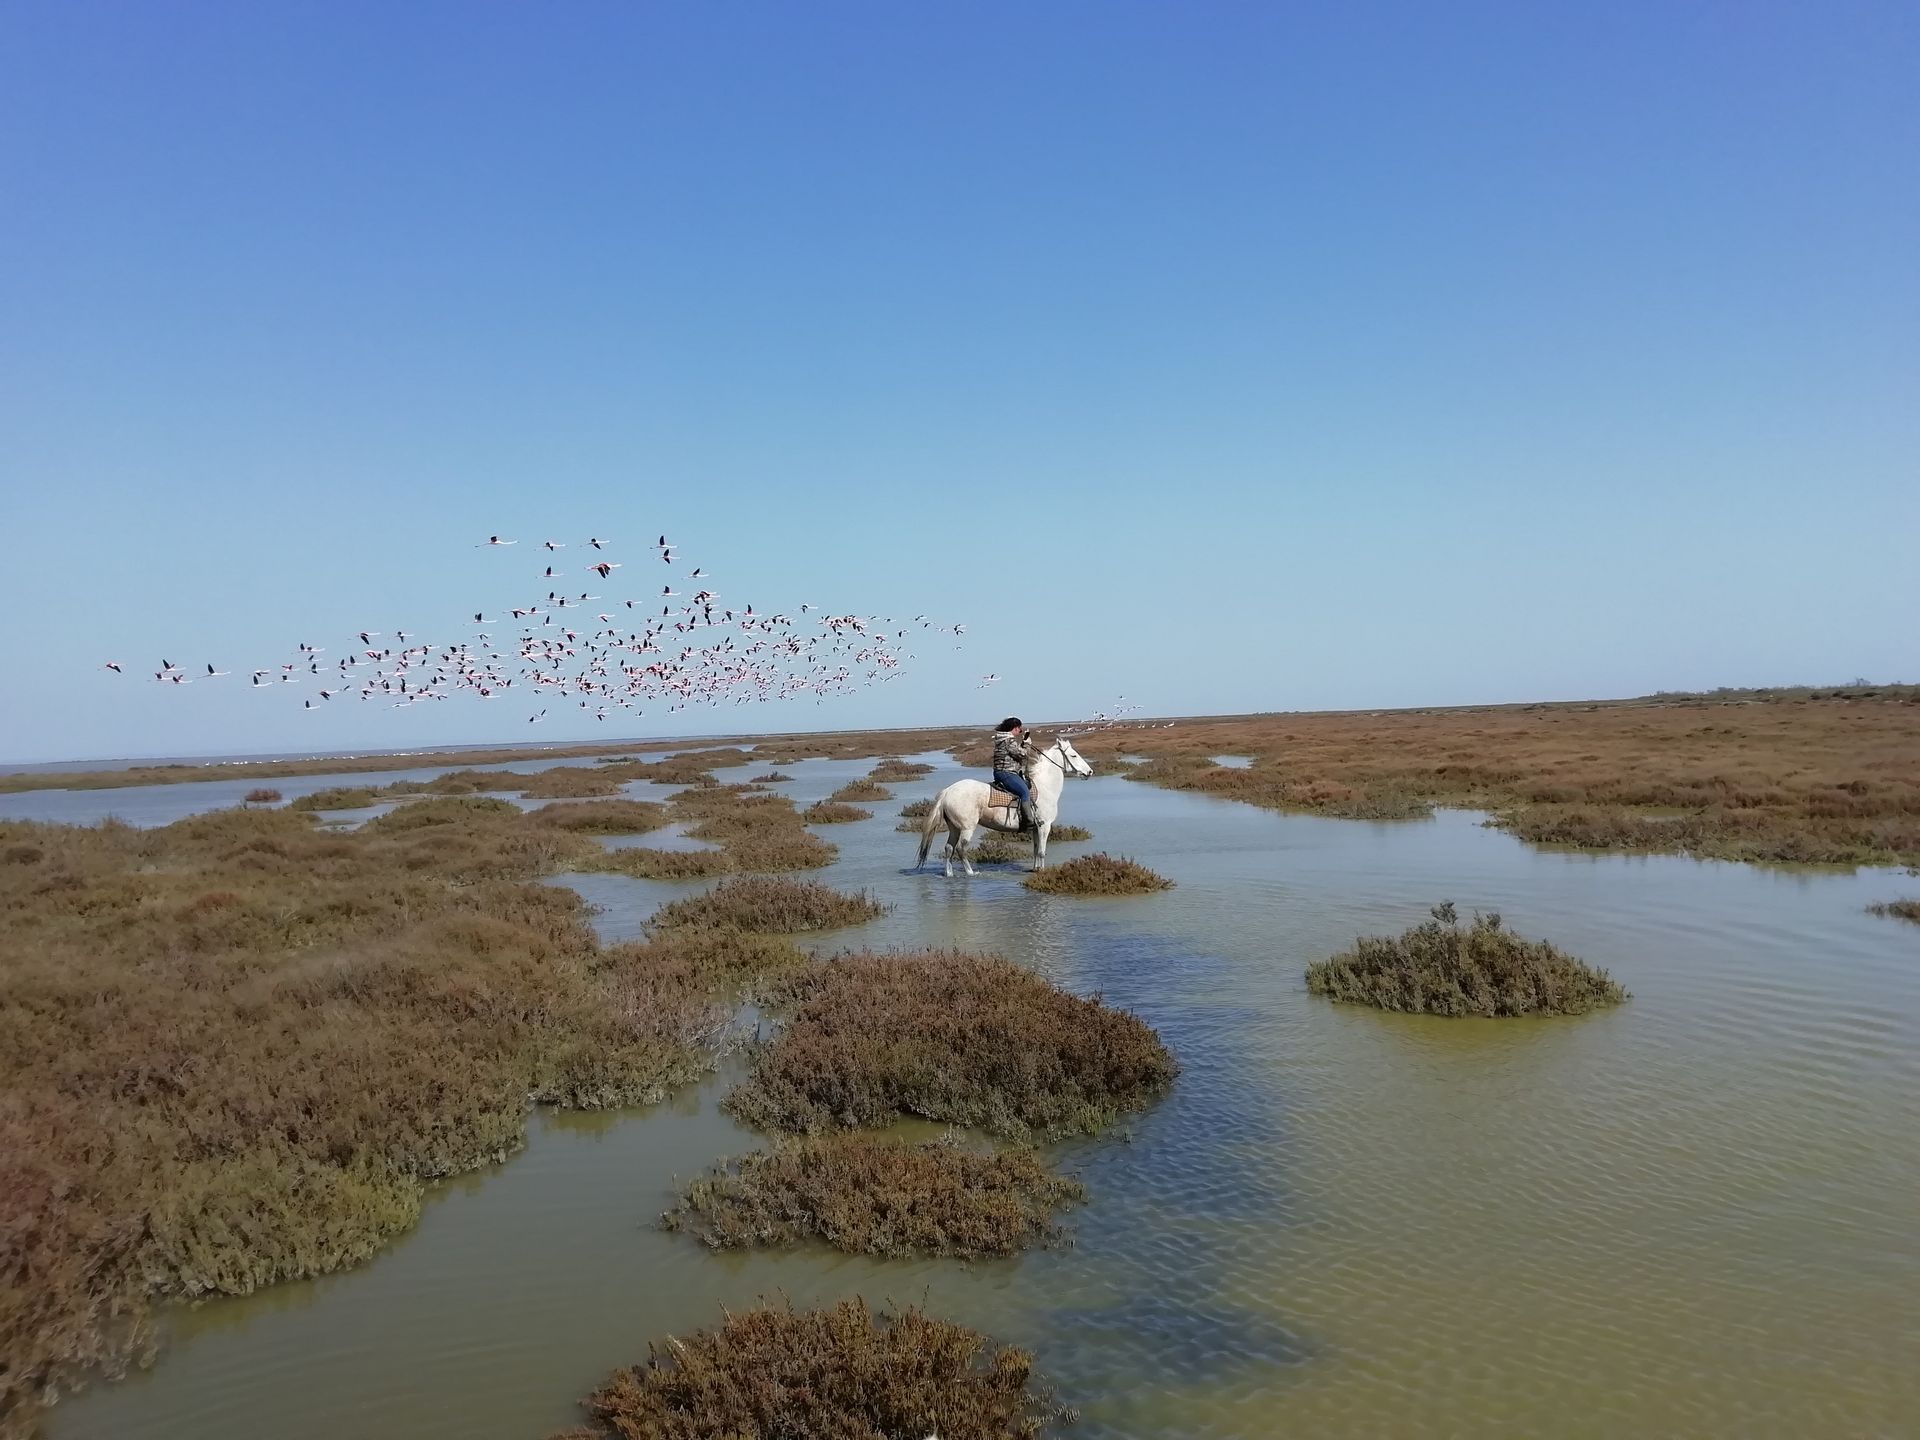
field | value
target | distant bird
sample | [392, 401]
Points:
[604, 568]
[598, 543]
[114, 665]
[986, 680]
[536, 719]
[496, 540]
[211, 671]
[554, 544]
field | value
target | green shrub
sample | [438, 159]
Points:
[350, 797]
[839, 1374]
[771, 905]
[877, 1196]
[889, 772]
[832, 812]
[968, 1039]
[602, 817]
[1440, 968]
[1097, 875]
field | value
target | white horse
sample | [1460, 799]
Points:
[968, 803]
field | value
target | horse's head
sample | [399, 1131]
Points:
[1071, 760]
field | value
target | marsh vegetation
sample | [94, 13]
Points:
[1898, 910]
[770, 905]
[860, 791]
[832, 812]
[844, 1373]
[234, 1050]
[873, 1195]
[1100, 874]
[966, 1039]
[1441, 967]
[1801, 776]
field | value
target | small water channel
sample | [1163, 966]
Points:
[1691, 1215]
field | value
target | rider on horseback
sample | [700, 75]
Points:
[1011, 756]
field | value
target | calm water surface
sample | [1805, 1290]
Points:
[1693, 1215]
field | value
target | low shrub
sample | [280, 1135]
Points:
[1100, 874]
[602, 817]
[858, 790]
[832, 812]
[643, 862]
[772, 777]
[263, 796]
[770, 905]
[967, 1039]
[889, 772]
[870, 1195]
[1441, 968]
[1067, 834]
[996, 847]
[1898, 910]
[844, 1373]
[346, 797]
[759, 832]
[917, 810]
[571, 782]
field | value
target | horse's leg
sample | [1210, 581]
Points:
[953, 843]
[966, 840]
[1040, 845]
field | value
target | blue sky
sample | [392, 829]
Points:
[1227, 357]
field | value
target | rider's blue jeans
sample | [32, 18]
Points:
[1015, 785]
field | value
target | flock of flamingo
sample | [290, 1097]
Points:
[698, 650]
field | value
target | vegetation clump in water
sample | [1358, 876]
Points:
[344, 797]
[772, 905]
[602, 817]
[870, 1195]
[890, 772]
[1898, 910]
[915, 810]
[1098, 875]
[832, 812]
[967, 1039]
[844, 1373]
[1068, 834]
[262, 796]
[772, 777]
[860, 790]
[1440, 968]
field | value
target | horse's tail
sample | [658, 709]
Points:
[928, 825]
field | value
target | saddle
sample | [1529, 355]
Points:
[999, 799]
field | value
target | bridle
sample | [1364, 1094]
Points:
[1065, 769]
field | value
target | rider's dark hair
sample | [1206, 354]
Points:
[1012, 722]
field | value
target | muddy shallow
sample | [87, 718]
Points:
[1692, 1215]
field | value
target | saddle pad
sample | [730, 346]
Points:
[998, 798]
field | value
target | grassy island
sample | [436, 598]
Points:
[1440, 967]
[877, 1196]
[840, 1372]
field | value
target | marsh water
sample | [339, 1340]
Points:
[1696, 1214]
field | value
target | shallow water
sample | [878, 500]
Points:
[1694, 1215]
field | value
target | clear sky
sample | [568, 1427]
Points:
[1224, 356]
